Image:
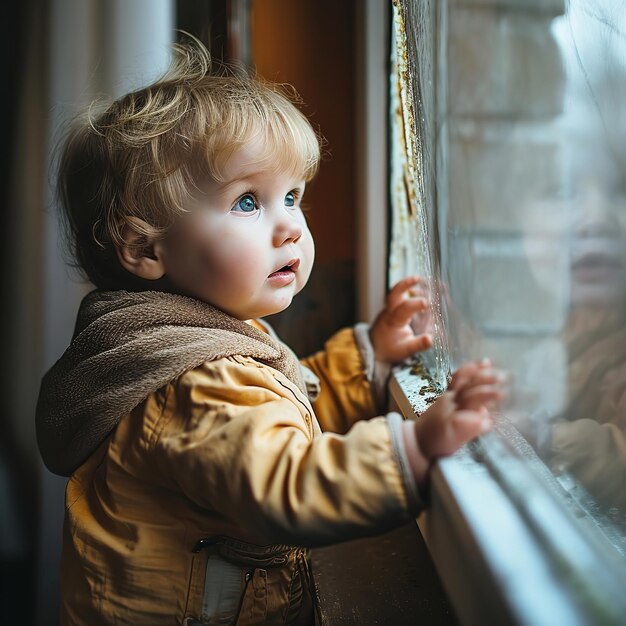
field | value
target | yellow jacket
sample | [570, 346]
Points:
[230, 449]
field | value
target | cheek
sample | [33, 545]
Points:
[226, 258]
[308, 256]
[193, 253]
[309, 246]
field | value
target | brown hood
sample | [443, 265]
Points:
[126, 346]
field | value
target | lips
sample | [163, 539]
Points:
[284, 275]
[289, 267]
[596, 267]
[596, 259]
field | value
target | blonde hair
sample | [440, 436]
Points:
[142, 159]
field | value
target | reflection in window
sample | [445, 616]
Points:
[509, 194]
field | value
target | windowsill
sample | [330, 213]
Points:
[501, 533]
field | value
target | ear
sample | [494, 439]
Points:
[138, 254]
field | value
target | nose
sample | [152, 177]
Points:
[598, 222]
[286, 230]
[598, 217]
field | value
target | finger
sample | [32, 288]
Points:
[474, 398]
[419, 343]
[463, 374]
[469, 424]
[468, 371]
[421, 288]
[421, 324]
[486, 376]
[396, 295]
[403, 312]
[463, 426]
[422, 321]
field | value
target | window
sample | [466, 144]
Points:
[508, 187]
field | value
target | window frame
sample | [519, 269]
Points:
[521, 559]
[532, 555]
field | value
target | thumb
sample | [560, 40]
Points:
[466, 425]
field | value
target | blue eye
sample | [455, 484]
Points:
[290, 199]
[246, 203]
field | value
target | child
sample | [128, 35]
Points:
[204, 460]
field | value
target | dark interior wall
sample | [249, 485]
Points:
[18, 472]
[206, 20]
[311, 45]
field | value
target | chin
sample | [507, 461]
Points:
[278, 307]
[259, 313]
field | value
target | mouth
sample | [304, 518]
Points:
[284, 275]
[596, 266]
[289, 268]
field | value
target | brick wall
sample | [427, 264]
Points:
[480, 88]
[505, 244]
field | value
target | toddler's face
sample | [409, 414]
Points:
[244, 246]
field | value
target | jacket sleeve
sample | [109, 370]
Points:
[351, 384]
[238, 440]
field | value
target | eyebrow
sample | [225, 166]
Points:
[235, 182]
[245, 181]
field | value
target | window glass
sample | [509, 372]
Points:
[508, 174]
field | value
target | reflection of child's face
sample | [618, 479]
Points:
[598, 260]
[245, 246]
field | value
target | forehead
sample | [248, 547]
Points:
[251, 157]
[255, 158]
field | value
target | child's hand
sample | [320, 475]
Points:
[392, 335]
[458, 416]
